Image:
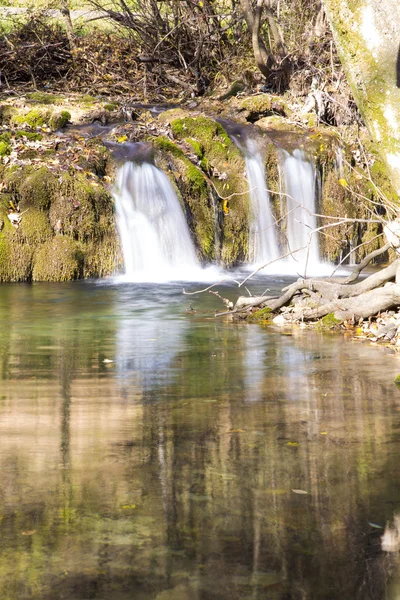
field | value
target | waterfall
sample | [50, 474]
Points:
[263, 246]
[300, 205]
[155, 237]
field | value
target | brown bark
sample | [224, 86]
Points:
[66, 15]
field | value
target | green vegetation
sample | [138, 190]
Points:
[59, 259]
[260, 316]
[328, 322]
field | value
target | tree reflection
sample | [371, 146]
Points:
[169, 473]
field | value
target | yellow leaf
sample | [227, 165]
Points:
[128, 506]
[323, 433]
[292, 444]
[122, 138]
[225, 206]
[343, 182]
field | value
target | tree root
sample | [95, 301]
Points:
[316, 298]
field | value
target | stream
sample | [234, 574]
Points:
[151, 451]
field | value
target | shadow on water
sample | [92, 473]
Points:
[167, 472]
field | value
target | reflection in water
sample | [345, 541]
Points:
[169, 473]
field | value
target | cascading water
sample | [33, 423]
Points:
[300, 205]
[155, 237]
[263, 246]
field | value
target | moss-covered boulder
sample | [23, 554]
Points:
[15, 256]
[213, 185]
[66, 215]
[59, 259]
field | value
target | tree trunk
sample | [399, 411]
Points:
[66, 15]
[264, 59]
[367, 35]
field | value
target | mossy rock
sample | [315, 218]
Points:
[6, 113]
[103, 257]
[329, 321]
[5, 136]
[43, 98]
[41, 117]
[262, 105]
[35, 227]
[33, 118]
[58, 120]
[29, 135]
[94, 157]
[5, 148]
[224, 166]
[35, 187]
[87, 99]
[193, 192]
[236, 88]
[59, 259]
[79, 206]
[210, 135]
[259, 316]
[15, 257]
[163, 143]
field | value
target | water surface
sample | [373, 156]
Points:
[169, 472]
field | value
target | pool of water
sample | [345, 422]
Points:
[151, 451]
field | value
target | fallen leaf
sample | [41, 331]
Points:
[299, 491]
[31, 532]
[236, 431]
[292, 444]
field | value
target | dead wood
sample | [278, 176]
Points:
[345, 300]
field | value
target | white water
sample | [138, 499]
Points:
[263, 246]
[155, 237]
[300, 206]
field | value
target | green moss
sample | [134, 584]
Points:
[59, 120]
[328, 322]
[234, 90]
[5, 136]
[84, 208]
[43, 98]
[87, 99]
[94, 157]
[210, 134]
[397, 380]
[34, 118]
[103, 257]
[110, 107]
[35, 188]
[262, 105]
[219, 156]
[15, 257]
[35, 227]
[59, 259]
[33, 137]
[264, 314]
[6, 113]
[163, 143]
[5, 148]
[197, 147]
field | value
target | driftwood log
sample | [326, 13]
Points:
[345, 298]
